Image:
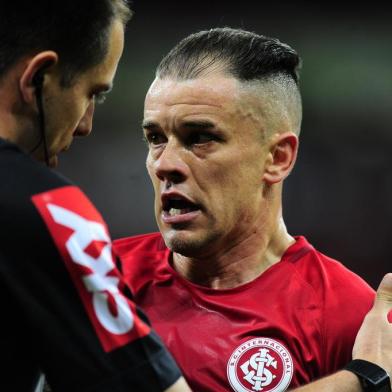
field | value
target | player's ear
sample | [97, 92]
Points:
[281, 157]
[33, 73]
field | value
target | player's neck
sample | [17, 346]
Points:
[238, 263]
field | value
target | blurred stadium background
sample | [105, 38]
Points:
[340, 193]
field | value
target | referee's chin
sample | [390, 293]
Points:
[53, 161]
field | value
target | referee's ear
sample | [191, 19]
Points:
[42, 62]
[283, 149]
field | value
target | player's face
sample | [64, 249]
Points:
[69, 111]
[206, 160]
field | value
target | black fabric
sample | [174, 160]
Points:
[44, 324]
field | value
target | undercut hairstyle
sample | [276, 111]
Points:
[245, 55]
[261, 63]
[77, 30]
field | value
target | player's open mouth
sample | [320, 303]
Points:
[177, 208]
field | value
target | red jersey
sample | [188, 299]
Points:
[294, 323]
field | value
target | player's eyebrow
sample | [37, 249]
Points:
[190, 125]
[198, 124]
[148, 124]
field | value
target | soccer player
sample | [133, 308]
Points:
[242, 304]
[64, 308]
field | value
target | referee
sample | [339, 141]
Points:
[65, 312]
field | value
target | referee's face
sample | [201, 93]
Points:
[206, 161]
[69, 111]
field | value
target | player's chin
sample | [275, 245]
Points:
[183, 241]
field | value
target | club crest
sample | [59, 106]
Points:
[260, 364]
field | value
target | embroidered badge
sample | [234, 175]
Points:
[260, 364]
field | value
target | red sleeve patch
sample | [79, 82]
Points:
[82, 237]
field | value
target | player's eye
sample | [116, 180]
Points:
[201, 137]
[155, 138]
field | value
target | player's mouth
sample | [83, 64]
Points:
[177, 208]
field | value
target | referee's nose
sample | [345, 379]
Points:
[85, 125]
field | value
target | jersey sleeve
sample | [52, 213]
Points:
[347, 300]
[68, 311]
[333, 305]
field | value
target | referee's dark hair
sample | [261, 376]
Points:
[77, 30]
[243, 54]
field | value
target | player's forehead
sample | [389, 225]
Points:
[218, 100]
[216, 95]
[209, 90]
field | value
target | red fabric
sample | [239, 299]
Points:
[308, 303]
[83, 241]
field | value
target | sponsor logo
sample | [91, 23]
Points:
[260, 364]
[82, 238]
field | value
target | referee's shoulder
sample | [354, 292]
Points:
[21, 178]
[21, 175]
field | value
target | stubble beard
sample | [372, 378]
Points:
[190, 245]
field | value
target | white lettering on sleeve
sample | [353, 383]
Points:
[98, 282]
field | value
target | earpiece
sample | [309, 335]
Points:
[38, 81]
[38, 78]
